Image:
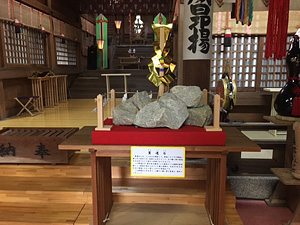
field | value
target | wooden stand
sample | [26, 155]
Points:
[216, 170]
[51, 90]
[280, 194]
[112, 102]
[60, 88]
[42, 87]
[107, 78]
[100, 115]
[216, 121]
[296, 161]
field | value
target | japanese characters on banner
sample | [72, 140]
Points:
[197, 29]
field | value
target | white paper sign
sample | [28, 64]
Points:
[197, 29]
[151, 161]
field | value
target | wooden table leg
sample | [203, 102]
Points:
[278, 197]
[101, 188]
[296, 217]
[215, 189]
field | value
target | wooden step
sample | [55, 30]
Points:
[37, 197]
[33, 213]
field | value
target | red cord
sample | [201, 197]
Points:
[277, 29]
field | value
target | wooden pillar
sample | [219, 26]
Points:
[51, 44]
[2, 49]
[180, 44]
[2, 102]
[196, 72]
[197, 35]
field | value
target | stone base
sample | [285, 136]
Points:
[252, 187]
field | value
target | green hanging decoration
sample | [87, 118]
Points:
[101, 35]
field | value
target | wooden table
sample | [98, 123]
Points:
[286, 191]
[108, 75]
[131, 60]
[286, 178]
[216, 169]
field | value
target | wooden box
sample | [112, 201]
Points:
[34, 145]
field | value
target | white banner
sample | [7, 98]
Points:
[157, 161]
[197, 29]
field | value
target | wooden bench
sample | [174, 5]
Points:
[127, 61]
[280, 194]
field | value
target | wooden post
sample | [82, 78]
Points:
[205, 96]
[161, 88]
[100, 115]
[216, 123]
[112, 102]
[296, 161]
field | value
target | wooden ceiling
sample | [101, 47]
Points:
[126, 6]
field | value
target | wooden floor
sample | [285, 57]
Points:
[61, 194]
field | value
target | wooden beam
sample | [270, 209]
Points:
[38, 5]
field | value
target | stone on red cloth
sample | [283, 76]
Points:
[185, 136]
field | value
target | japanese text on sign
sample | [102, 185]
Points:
[158, 161]
[197, 33]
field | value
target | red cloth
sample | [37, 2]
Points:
[277, 28]
[130, 135]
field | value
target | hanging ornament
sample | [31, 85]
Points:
[43, 33]
[219, 2]
[17, 26]
[266, 2]
[227, 39]
[63, 39]
[244, 11]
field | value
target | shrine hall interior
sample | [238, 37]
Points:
[92, 46]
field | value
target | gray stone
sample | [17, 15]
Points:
[252, 187]
[140, 99]
[192, 96]
[168, 111]
[200, 117]
[125, 113]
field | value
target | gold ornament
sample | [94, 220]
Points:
[162, 55]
